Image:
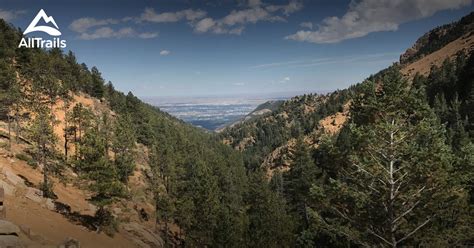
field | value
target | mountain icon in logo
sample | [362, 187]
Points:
[47, 19]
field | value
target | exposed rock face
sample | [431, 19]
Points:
[34, 195]
[8, 228]
[70, 243]
[9, 234]
[439, 38]
[141, 236]
[8, 188]
[50, 205]
[12, 177]
[10, 241]
[409, 54]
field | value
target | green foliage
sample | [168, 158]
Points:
[123, 146]
[269, 223]
[298, 181]
[25, 157]
[44, 140]
[94, 165]
[219, 197]
[106, 221]
[290, 120]
[395, 188]
[441, 36]
[97, 84]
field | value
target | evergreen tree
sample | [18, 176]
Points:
[298, 180]
[124, 147]
[397, 188]
[95, 166]
[10, 95]
[97, 84]
[203, 192]
[42, 135]
[268, 223]
[165, 186]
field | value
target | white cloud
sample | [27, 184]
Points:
[285, 80]
[290, 8]
[307, 25]
[362, 58]
[234, 23]
[369, 16]
[149, 15]
[256, 12]
[147, 35]
[252, 15]
[204, 25]
[9, 15]
[83, 24]
[254, 3]
[107, 33]
[165, 52]
[239, 84]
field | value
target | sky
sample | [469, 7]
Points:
[241, 47]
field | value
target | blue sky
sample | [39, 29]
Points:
[209, 48]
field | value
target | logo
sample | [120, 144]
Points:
[47, 19]
[40, 42]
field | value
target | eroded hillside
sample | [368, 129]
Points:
[308, 116]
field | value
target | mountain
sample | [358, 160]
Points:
[102, 166]
[313, 115]
[439, 38]
[262, 109]
[385, 162]
[348, 163]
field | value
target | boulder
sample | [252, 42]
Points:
[91, 207]
[34, 194]
[50, 204]
[12, 177]
[10, 241]
[8, 228]
[70, 243]
[8, 188]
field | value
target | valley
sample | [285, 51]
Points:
[385, 162]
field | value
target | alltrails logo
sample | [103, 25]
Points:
[40, 42]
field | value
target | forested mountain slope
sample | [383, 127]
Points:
[386, 162]
[147, 175]
[382, 163]
[307, 116]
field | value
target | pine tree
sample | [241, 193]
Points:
[397, 188]
[164, 185]
[298, 180]
[124, 147]
[97, 83]
[268, 223]
[10, 95]
[94, 165]
[44, 140]
[203, 192]
[79, 120]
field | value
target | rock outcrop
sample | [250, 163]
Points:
[9, 234]
[142, 236]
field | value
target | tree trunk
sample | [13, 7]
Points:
[65, 144]
[9, 133]
[17, 127]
